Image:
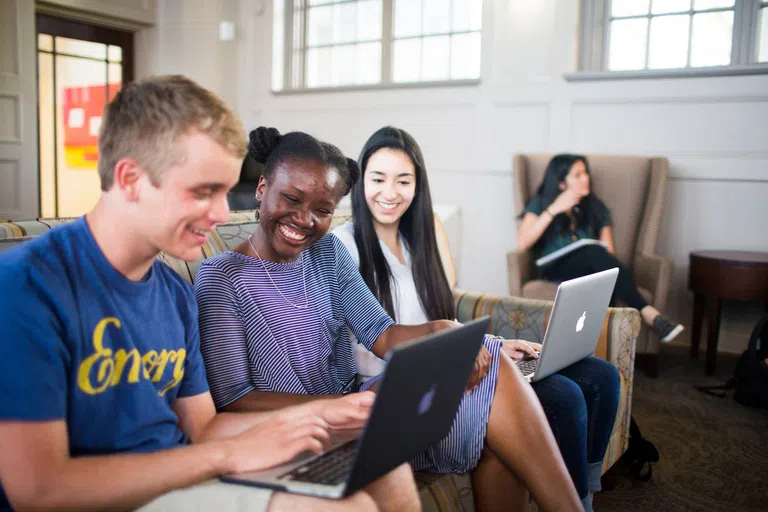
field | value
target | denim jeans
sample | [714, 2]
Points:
[580, 402]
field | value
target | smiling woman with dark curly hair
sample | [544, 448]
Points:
[274, 314]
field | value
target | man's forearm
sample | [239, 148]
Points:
[131, 480]
[230, 424]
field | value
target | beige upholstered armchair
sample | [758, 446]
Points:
[633, 188]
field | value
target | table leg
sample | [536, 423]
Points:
[713, 329]
[698, 310]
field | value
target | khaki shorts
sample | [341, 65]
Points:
[212, 495]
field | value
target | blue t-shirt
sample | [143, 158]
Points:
[82, 343]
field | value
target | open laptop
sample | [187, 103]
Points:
[574, 324]
[416, 404]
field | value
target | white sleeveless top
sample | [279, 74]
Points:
[408, 308]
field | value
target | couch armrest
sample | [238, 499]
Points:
[620, 332]
[654, 273]
[516, 317]
[518, 271]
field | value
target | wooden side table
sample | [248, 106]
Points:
[718, 275]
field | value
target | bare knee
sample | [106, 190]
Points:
[396, 491]
[512, 390]
[294, 502]
[360, 501]
[496, 487]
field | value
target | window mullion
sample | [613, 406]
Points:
[761, 8]
[738, 48]
[387, 41]
[591, 36]
[745, 33]
[648, 38]
[450, 41]
[606, 42]
[586, 36]
[304, 46]
[288, 49]
[690, 38]
[421, 46]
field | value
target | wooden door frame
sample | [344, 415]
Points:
[78, 30]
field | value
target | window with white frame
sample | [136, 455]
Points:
[349, 43]
[624, 35]
[762, 55]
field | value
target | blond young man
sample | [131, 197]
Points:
[105, 402]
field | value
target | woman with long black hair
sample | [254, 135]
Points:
[565, 210]
[392, 239]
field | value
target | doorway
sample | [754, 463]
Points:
[80, 67]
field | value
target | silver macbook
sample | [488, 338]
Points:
[574, 324]
[416, 403]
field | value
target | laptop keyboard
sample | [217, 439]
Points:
[330, 468]
[528, 366]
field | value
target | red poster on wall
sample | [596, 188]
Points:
[82, 109]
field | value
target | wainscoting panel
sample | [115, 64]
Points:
[705, 127]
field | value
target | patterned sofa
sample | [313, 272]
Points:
[512, 317]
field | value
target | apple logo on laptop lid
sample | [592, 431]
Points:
[580, 322]
[426, 401]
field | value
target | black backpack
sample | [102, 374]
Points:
[640, 454]
[750, 379]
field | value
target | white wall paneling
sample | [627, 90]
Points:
[718, 126]
[520, 127]
[727, 167]
[10, 113]
[18, 98]
[10, 175]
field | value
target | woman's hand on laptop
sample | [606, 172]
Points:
[519, 349]
[349, 411]
[482, 364]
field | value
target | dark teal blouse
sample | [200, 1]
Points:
[553, 239]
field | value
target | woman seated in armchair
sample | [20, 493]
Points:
[565, 210]
[392, 238]
[274, 314]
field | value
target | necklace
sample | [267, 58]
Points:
[303, 278]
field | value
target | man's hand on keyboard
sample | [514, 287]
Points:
[519, 349]
[286, 434]
[349, 411]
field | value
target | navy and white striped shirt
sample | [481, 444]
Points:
[252, 339]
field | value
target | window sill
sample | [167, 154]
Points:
[735, 70]
[379, 87]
